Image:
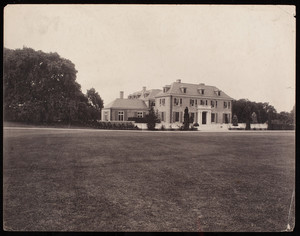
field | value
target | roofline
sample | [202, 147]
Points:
[194, 96]
[126, 108]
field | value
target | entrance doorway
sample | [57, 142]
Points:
[226, 118]
[204, 118]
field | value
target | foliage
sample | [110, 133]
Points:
[244, 108]
[41, 88]
[235, 120]
[186, 119]
[137, 119]
[151, 119]
[95, 102]
[254, 118]
[264, 112]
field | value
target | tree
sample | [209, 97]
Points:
[41, 87]
[235, 120]
[271, 111]
[254, 118]
[186, 119]
[292, 114]
[243, 107]
[151, 119]
[95, 102]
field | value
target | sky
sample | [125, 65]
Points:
[247, 51]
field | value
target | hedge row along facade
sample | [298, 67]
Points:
[206, 104]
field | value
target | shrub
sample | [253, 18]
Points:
[137, 119]
[151, 119]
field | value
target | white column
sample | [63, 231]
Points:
[200, 118]
[208, 117]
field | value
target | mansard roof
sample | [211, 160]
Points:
[127, 104]
[193, 90]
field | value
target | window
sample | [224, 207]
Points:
[225, 104]
[229, 105]
[165, 89]
[160, 102]
[121, 115]
[106, 115]
[196, 102]
[212, 103]
[151, 103]
[216, 103]
[201, 91]
[140, 114]
[177, 101]
[162, 116]
[163, 101]
[206, 102]
[219, 92]
[176, 116]
[192, 102]
[213, 117]
[192, 117]
[201, 102]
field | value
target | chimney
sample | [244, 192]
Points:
[144, 89]
[121, 94]
[178, 81]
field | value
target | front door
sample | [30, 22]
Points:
[204, 118]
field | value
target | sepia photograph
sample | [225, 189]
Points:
[149, 118]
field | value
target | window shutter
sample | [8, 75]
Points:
[180, 116]
[116, 115]
[173, 117]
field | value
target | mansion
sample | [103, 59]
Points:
[206, 104]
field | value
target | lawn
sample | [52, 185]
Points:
[96, 180]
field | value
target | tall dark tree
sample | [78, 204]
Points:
[242, 108]
[186, 117]
[151, 119]
[96, 104]
[41, 87]
[247, 113]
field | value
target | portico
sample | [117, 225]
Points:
[204, 115]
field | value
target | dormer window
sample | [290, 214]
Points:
[166, 88]
[218, 92]
[183, 89]
[201, 90]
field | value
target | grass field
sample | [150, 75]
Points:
[91, 180]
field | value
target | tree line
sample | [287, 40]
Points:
[245, 111]
[41, 88]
